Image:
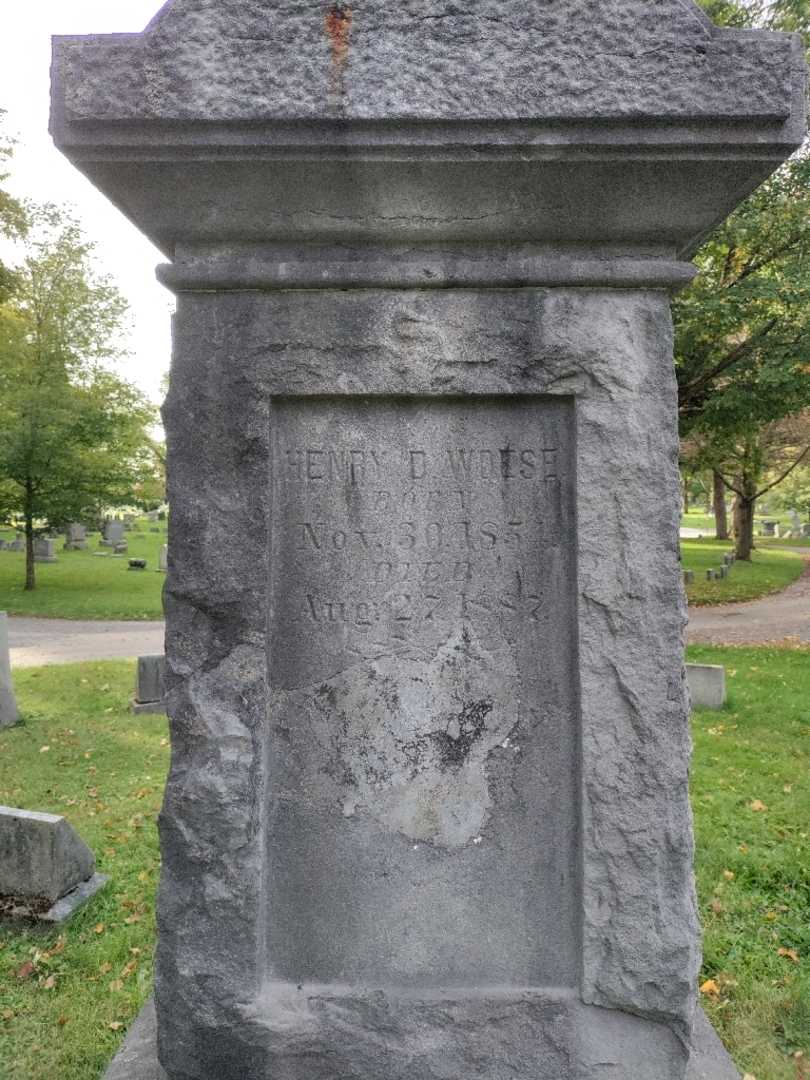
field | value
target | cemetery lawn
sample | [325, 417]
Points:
[770, 570]
[67, 998]
[83, 585]
[751, 798]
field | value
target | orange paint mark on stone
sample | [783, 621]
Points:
[338, 24]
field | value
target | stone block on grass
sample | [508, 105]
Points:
[46, 869]
[707, 685]
[8, 703]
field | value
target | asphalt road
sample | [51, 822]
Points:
[62, 641]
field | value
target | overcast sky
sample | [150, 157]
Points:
[39, 172]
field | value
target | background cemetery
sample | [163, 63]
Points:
[83, 536]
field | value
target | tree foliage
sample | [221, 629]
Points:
[742, 340]
[12, 214]
[74, 435]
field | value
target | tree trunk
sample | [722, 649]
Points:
[30, 565]
[720, 514]
[686, 494]
[745, 533]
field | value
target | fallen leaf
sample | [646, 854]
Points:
[716, 906]
[135, 951]
[49, 983]
[62, 1021]
[7, 1014]
[787, 789]
[99, 928]
[728, 875]
[105, 968]
[143, 876]
[115, 1025]
[133, 918]
[749, 1076]
[758, 806]
[710, 988]
[743, 849]
[789, 954]
[44, 749]
[26, 971]
[116, 985]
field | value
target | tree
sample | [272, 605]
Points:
[743, 328]
[74, 434]
[12, 215]
[753, 462]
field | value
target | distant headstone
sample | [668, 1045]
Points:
[8, 703]
[161, 515]
[149, 685]
[113, 533]
[76, 537]
[163, 563]
[707, 685]
[795, 521]
[46, 869]
[121, 548]
[152, 516]
[17, 544]
[710, 575]
[45, 550]
[806, 529]
[154, 529]
[137, 564]
[688, 576]
[769, 528]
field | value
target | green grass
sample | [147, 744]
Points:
[753, 865]
[82, 585]
[104, 770]
[769, 571]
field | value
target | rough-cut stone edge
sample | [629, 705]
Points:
[648, 60]
[137, 1058]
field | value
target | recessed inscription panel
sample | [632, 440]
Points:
[423, 720]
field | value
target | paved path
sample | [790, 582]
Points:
[62, 641]
[757, 622]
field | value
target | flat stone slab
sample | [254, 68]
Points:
[137, 1059]
[64, 909]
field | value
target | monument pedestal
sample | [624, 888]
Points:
[138, 1060]
[428, 809]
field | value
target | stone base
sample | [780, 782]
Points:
[45, 559]
[65, 908]
[137, 1059]
[148, 708]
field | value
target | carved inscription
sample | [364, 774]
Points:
[396, 521]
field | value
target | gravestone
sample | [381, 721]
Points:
[428, 812]
[770, 528]
[8, 703]
[707, 685]
[76, 538]
[806, 529]
[150, 685]
[163, 563]
[113, 533]
[17, 544]
[45, 550]
[46, 869]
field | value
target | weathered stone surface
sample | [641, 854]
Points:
[41, 856]
[429, 60]
[150, 686]
[138, 1060]
[8, 703]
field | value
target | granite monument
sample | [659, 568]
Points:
[428, 809]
